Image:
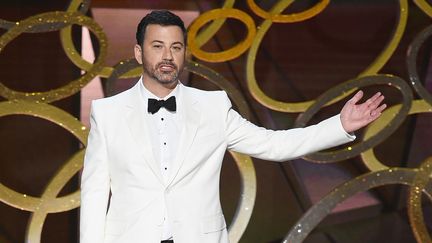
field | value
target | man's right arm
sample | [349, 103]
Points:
[95, 184]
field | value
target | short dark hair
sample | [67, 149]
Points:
[160, 17]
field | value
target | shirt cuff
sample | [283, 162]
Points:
[351, 136]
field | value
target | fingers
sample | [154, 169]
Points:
[372, 106]
[379, 110]
[374, 101]
[374, 114]
[356, 97]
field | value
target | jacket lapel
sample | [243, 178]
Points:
[136, 118]
[191, 117]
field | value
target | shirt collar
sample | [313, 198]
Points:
[147, 94]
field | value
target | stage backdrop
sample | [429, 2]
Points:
[20, 107]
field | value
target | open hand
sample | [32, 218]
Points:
[354, 117]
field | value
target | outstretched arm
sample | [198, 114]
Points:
[355, 116]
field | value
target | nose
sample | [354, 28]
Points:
[167, 55]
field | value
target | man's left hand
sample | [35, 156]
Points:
[355, 116]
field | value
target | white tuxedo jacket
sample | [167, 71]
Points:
[119, 159]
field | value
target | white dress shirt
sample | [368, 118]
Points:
[165, 129]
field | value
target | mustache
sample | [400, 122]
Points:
[167, 63]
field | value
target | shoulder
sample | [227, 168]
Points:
[205, 95]
[117, 100]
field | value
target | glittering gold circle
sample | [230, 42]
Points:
[75, 57]
[48, 202]
[276, 105]
[288, 18]
[79, 5]
[211, 30]
[415, 211]
[226, 55]
[51, 204]
[391, 126]
[342, 192]
[75, 5]
[412, 63]
[391, 46]
[424, 6]
[368, 156]
[72, 87]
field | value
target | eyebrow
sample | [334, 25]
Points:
[159, 41]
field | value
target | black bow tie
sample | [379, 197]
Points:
[154, 105]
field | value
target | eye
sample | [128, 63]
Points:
[157, 46]
[177, 48]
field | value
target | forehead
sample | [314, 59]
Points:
[169, 33]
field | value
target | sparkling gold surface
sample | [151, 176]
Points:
[289, 18]
[426, 7]
[373, 68]
[342, 192]
[72, 87]
[415, 211]
[226, 55]
[35, 104]
[213, 28]
[412, 63]
[368, 156]
[48, 202]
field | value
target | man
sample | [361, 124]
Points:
[158, 147]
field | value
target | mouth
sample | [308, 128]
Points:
[167, 67]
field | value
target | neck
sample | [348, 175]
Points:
[159, 89]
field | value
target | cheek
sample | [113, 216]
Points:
[148, 63]
[180, 58]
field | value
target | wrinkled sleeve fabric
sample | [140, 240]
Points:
[281, 145]
[95, 184]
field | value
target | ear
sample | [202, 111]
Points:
[138, 53]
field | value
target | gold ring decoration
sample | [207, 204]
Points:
[368, 157]
[412, 64]
[280, 106]
[415, 211]
[288, 18]
[424, 6]
[211, 30]
[359, 184]
[226, 55]
[48, 202]
[352, 151]
[243, 162]
[73, 54]
[75, 85]
[75, 57]
[390, 48]
[119, 69]
[247, 196]
[81, 6]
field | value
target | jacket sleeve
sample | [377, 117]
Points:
[95, 185]
[245, 137]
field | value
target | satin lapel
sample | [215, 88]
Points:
[136, 118]
[191, 119]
